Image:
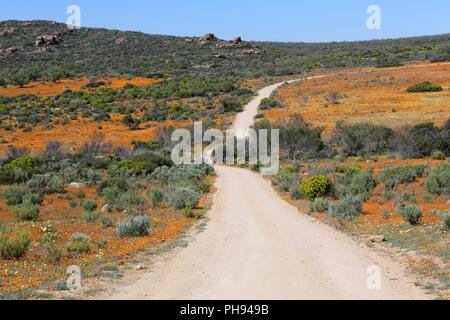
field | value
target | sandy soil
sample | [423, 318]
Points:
[257, 246]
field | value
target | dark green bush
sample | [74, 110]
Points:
[424, 87]
[267, 104]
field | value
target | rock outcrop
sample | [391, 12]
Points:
[207, 38]
[237, 40]
[50, 39]
[7, 51]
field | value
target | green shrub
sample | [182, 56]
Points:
[157, 197]
[348, 208]
[285, 179]
[231, 105]
[446, 220]
[32, 198]
[348, 169]
[204, 187]
[405, 196]
[55, 185]
[136, 167]
[13, 245]
[91, 216]
[53, 254]
[134, 227]
[438, 181]
[412, 213]
[424, 87]
[319, 205]
[80, 194]
[78, 247]
[402, 175]
[14, 195]
[27, 211]
[355, 183]
[107, 222]
[73, 203]
[24, 163]
[316, 187]
[438, 155]
[182, 197]
[89, 206]
[267, 104]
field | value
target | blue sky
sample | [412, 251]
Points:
[274, 20]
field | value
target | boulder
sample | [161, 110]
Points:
[105, 209]
[9, 50]
[7, 32]
[120, 40]
[236, 40]
[377, 239]
[253, 50]
[48, 39]
[76, 185]
[207, 38]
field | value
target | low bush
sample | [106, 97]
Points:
[91, 216]
[78, 247]
[438, 155]
[319, 205]
[316, 187]
[267, 104]
[13, 245]
[89, 206]
[27, 211]
[14, 195]
[446, 220]
[107, 222]
[402, 175]
[285, 179]
[134, 227]
[412, 213]
[23, 162]
[424, 87]
[80, 237]
[231, 105]
[355, 183]
[348, 208]
[204, 187]
[157, 197]
[438, 181]
[182, 197]
[53, 254]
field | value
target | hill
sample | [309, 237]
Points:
[44, 50]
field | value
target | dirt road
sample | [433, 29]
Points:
[257, 246]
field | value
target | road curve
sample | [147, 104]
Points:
[257, 246]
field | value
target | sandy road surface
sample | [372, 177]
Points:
[257, 246]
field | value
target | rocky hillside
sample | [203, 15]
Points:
[31, 50]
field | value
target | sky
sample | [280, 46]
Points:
[259, 20]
